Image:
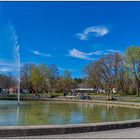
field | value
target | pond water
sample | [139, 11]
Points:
[53, 113]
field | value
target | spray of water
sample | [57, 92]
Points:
[16, 48]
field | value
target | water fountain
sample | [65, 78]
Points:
[17, 57]
[18, 69]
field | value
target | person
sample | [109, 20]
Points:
[71, 93]
[38, 95]
[65, 93]
[35, 95]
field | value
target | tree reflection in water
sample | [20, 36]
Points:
[52, 113]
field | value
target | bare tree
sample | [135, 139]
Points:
[67, 80]
[26, 76]
[112, 71]
[6, 81]
[92, 75]
[121, 74]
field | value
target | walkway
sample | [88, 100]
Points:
[120, 133]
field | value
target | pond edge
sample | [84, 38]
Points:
[19, 131]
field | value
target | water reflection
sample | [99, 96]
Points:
[17, 114]
[44, 112]
[8, 113]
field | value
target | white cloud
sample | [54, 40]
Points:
[63, 69]
[7, 64]
[6, 69]
[97, 31]
[40, 53]
[82, 55]
[89, 56]
[108, 51]
[95, 53]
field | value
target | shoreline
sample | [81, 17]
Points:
[101, 102]
[38, 130]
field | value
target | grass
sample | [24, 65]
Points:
[136, 101]
[97, 96]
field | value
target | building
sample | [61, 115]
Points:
[84, 90]
[12, 89]
[88, 90]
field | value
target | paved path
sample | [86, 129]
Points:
[119, 133]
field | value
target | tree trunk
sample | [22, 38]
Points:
[122, 89]
[108, 91]
[51, 91]
[137, 87]
[137, 91]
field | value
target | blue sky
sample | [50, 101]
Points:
[67, 34]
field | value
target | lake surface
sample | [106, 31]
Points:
[53, 113]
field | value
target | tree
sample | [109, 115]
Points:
[105, 72]
[78, 80]
[40, 78]
[6, 81]
[74, 84]
[92, 75]
[121, 74]
[132, 58]
[45, 77]
[35, 78]
[59, 85]
[53, 71]
[109, 68]
[67, 80]
[26, 76]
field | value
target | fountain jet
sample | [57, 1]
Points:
[18, 69]
[14, 39]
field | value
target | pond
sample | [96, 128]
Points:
[54, 113]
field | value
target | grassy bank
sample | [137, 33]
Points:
[100, 97]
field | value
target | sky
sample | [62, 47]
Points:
[67, 34]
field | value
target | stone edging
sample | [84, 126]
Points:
[19, 131]
[113, 103]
